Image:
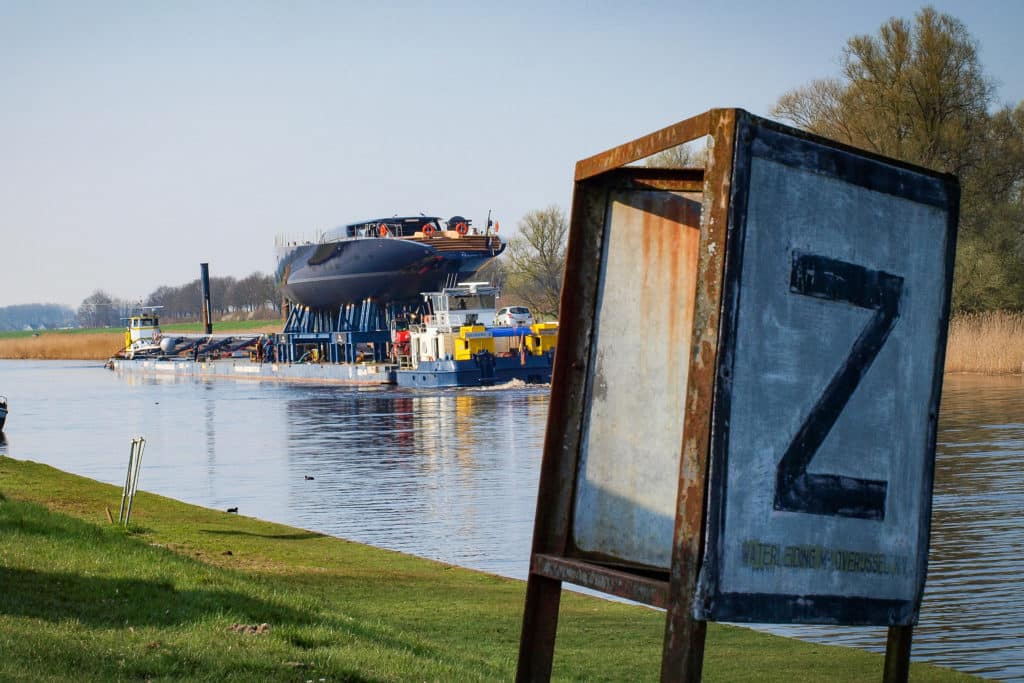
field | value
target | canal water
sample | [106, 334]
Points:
[452, 475]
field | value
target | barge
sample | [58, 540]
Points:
[451, 340]
[362, 374]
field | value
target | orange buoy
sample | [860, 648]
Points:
[496, 225]
[462, 228]
[383, 230]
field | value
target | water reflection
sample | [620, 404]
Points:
[447, 475]
[972, 617]
[452, 475]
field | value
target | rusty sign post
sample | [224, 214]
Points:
[745, 393]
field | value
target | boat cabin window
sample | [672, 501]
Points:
[475, 301]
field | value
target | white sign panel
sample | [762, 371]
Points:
[824, 427]
[626, 490]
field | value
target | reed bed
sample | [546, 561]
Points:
[101, 344]
[63, 346]
[988, 343]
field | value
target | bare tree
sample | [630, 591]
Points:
[535, 259]
[681, 156]
[99, 309]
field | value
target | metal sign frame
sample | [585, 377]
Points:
[554, 557]
[857, 287]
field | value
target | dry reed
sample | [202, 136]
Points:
[990, 343]
[58, 345]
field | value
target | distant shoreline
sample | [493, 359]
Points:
[982, 343]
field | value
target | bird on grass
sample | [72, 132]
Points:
[232, 509]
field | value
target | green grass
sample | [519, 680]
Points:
[82, 600]
[226, 326]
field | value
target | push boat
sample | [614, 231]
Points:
[141, 335]
[384, 259]
[459, 345]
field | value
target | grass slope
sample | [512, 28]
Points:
[83, 600]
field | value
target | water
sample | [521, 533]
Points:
[972, 616]
[452, 475]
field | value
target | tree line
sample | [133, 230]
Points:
[36, 317]
[253, 296]
[917, 92]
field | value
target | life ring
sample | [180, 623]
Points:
[383, 230]
[428, 229]
[462, 228]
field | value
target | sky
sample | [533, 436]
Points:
[139, 139]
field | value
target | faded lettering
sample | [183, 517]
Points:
[762, 556]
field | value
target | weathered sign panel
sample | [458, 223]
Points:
[745, 392]
[625, 504]
[836, 299]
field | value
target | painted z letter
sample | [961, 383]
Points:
[796, 489]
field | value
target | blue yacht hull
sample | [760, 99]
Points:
[386, 268]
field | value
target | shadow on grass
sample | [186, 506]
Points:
[303, 536]
[105, 602]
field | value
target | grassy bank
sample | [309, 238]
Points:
[101, 344]
[171, 599]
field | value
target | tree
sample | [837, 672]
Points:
[99, 309]
[917, 92]
[535, 259]
[680, 156]
[35, 316]
[494, 272]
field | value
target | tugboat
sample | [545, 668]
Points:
[142, 335]
[458, 344]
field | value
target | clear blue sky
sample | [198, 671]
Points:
[138, 139]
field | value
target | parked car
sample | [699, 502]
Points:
[514, 316]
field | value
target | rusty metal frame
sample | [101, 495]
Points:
[553, 558]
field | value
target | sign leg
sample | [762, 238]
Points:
[540, 624]
[683, 654]
[897, 654]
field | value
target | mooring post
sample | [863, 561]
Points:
[204, 277]
[127, 482]
[138, 443]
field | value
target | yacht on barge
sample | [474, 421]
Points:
[384, 259]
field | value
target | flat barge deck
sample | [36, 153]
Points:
[242, 368]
